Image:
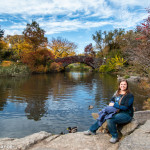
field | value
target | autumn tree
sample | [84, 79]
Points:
[135, 46]
[144, 28]
[143, 49]
[15, 44]
[3, 44]
[62, 47]
[128, 43]
[38, 61]
[15, 40]
[89, 50]
[34, 35]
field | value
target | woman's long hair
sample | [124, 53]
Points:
[127, 89]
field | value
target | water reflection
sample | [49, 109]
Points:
[53, 102]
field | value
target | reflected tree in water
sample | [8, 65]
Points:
[35, 108]
[9, 85]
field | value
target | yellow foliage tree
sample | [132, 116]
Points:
[62, 47]
[15, 42]
[3, 45]
[18, 45]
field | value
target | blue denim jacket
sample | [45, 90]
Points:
[105, 114]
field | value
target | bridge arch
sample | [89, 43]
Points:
[90, 61]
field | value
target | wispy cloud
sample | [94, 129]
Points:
[57, 27]
[56, 7]
[56, 16]
[131, 3]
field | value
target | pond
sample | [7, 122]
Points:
[53, 102]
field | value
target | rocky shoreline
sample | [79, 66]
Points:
[135, 136]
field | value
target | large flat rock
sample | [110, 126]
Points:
[138, 140]
[76, 141]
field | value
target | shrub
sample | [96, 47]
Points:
[112, 64]
[116, 62]
[6, 63]
[103, 68]
[14, 70]
[55, 67]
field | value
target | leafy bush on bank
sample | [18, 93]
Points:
[112, 64]
[14, 70]
[55, 67]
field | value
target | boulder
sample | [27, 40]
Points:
[142, 116]
[130, 79]
[138, 140]
[128, 128]
[134, 79]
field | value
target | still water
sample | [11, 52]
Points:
[54, 102]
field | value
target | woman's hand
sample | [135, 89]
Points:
[111, 104]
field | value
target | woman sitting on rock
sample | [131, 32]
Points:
[119, 111]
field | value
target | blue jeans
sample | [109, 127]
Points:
[94, 127]
[120, 118]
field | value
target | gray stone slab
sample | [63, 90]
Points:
[138, 140]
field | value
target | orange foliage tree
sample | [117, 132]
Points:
[38, 61]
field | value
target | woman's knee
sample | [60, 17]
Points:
[109, 121]
[122, 118]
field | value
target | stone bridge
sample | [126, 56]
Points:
[90, 61]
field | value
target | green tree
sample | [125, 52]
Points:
[98, 38]
[1, 36]
[108, 40]
[1, 33]
[34, 35]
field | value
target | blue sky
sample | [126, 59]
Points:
[75, 20]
